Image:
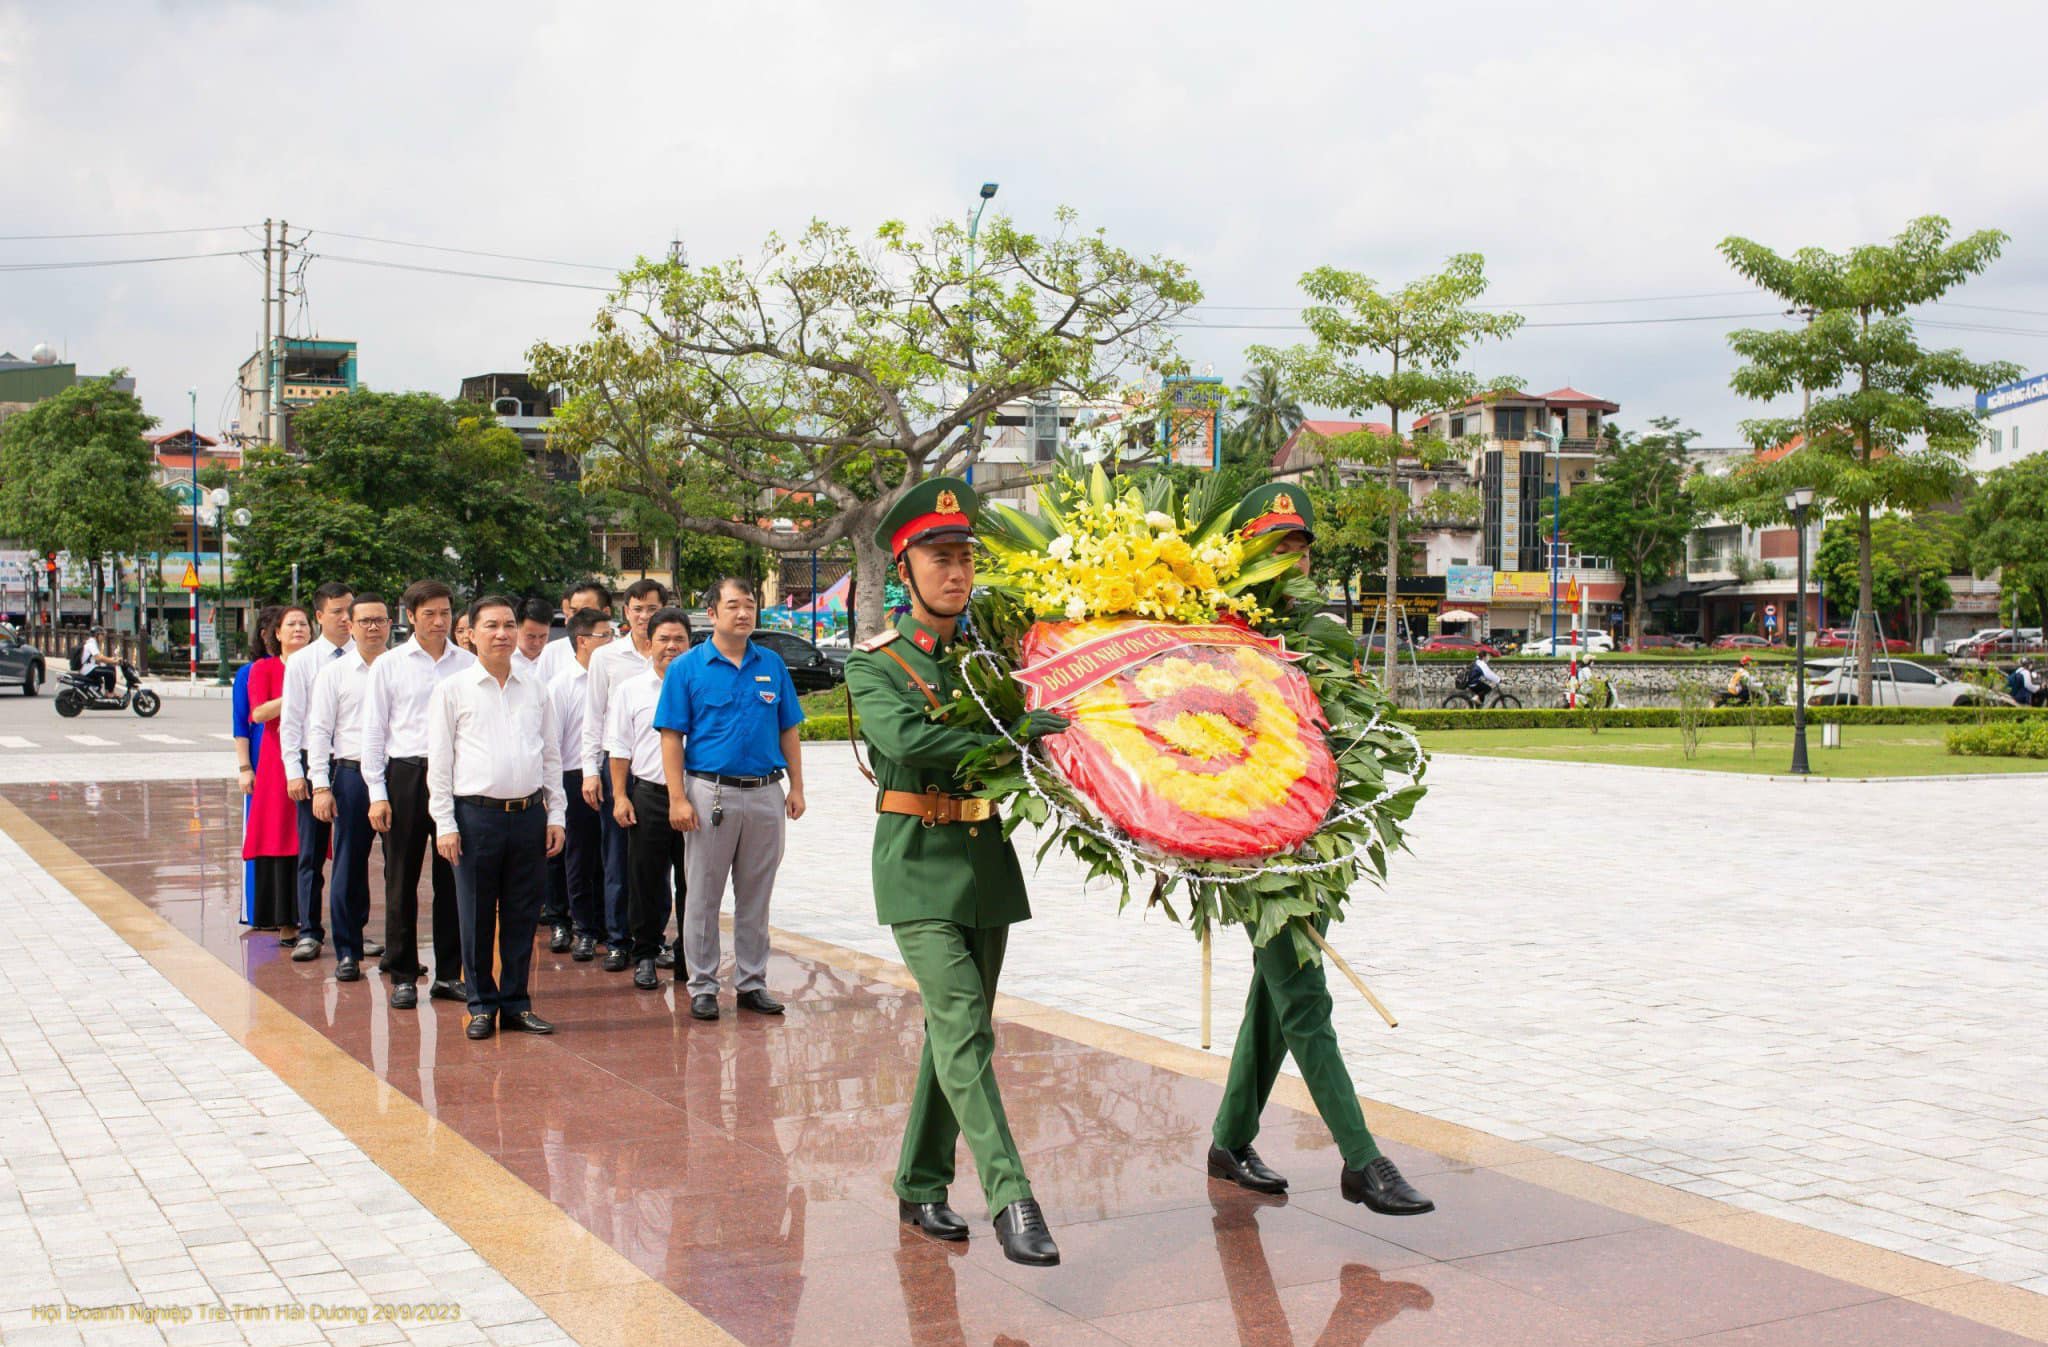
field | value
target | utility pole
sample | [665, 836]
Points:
[263, 426]
[275, 373]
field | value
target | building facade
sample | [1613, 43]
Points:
[302, 371]
[2015, 423]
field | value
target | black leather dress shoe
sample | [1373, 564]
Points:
[643, 976]
[371, 949]
[616, 959]
[704, 1007]
[305, 951]
[525, 1022]
[482, 1026]
[667, 957]
[1021, 1228]
[1244, 1168]
[560, 943]
[448, 991]
[1381, 1188]
[348, 970]
[584, 949]
[934, 1218]
[760, 1002]
[405, 996]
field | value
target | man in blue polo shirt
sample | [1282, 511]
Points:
[728, 719]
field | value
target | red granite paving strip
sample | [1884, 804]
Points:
[745, 1164]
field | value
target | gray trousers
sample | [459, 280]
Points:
[747, 846]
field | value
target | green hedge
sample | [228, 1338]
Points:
[1668, 717]
[2005, 739]
[824, 727]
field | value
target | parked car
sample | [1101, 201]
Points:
[1832, 682]
[1655, 642]
[1566, 642]
[1974, 639]
[1741, 641]
[21, 664]
[1842, 638]
[809, 667]
[1452, 642]
[2007, 643]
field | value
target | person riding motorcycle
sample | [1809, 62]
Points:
[91, 662]
[1743, 687]
[1480, 677]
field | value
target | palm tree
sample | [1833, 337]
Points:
[1266, 415]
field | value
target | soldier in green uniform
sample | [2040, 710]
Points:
[1288, 1009]
[946, 881]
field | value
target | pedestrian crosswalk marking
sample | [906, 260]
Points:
[223, 734]
[90, 740]
[165, 739]
[15, 741]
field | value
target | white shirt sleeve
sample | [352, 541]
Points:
[596, 703]
[326, 704]
[618, 735]
[291, 717]
[441, 758]
[376, 721]
[551, 763]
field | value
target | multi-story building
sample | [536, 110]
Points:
[2015, 423]
[524, 408]
[302, 371]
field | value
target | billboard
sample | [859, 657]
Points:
[1521, 586]
[2007, 396]
[1469, 584]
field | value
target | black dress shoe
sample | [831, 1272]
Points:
[934, 1218]
[584, 949]
[448, 991]
[1021, 1228]
[525, 1022]
[405, 996]
[704, 1007]
[371, 949]
[667, 957]
[305, 951]
[482, 1026]
[1380, 1187]
[560, 943]
[1244, 1168]
[348, 970]
[760, 1002]
[616, 959]
[643, 976]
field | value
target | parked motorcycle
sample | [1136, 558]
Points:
[81, 692]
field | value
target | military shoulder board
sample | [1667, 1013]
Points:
[880, 639]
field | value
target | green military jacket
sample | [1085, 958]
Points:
[959, 872]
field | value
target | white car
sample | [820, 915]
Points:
[1566, 642]
[1832, 682]
[1976, 639]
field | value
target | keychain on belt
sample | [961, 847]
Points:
[717, 803]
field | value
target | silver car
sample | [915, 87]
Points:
[1832, 682]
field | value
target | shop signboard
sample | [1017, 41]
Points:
[1468, 584]
[1521, 586]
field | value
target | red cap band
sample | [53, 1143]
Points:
[1266, 523]
[901, 538]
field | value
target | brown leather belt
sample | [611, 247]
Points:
[935, 808]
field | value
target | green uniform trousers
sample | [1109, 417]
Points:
[956, 968]
[1288, 1011]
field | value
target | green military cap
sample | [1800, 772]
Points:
[936, 510]
[1276, 506]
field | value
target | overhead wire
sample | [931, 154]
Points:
[117, 261]
[468, 252]
[123, 233]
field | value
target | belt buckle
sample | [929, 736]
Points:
[932, 801]
[972, 810]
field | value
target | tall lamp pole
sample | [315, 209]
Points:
[1556, 439]
[1798, 501]
[192, 611]
[988, 192]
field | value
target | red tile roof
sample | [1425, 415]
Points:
[1327, 430]
[205, 441]
[1569, 396]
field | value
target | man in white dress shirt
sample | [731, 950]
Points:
[575, 901]
[494, 782]
[640, 795]
[611, 666]
[334, 753]
[394, 741]
[330, 614]
[561, 654]
[536, 621]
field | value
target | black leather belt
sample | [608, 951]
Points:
[496, 805]
[739, 782]
[356, 763]
[420, 763]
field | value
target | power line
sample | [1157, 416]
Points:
[469, 252]
[1992, 308]
[450, 271]
[117, 261]
[1582, 322]
[1538, 304]
[122, 233]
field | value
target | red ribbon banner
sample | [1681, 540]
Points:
[1060, 677]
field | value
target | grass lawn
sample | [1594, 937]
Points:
[1867, 750]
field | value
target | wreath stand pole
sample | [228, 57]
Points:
[1206, 932]
[1345, 968]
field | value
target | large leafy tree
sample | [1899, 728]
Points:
[2006, 523]
[1875, 435]
[1265, 415]
[75, 476]
[393, 487]
[1637, 509]
[821, 379]
[1399, 349]
[1909, 564]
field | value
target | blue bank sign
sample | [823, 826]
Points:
[2007, 396]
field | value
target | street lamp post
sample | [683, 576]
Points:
[1556, 439]
[1798, 501]
[988, 192]
[220, 599]
[192, 612]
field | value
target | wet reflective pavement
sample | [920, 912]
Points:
[745, 1164]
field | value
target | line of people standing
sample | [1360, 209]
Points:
[536, 782]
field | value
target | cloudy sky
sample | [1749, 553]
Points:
[1592, 152]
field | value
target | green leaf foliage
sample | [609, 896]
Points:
[2007, 526]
